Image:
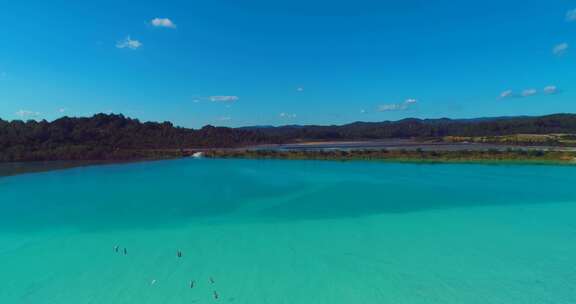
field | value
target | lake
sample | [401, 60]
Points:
[280, 231]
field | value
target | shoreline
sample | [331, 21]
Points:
[518, 156]
[408, 156]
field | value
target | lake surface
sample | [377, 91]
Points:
[273, 231]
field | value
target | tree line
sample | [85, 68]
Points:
[110, 137]
[116, 137]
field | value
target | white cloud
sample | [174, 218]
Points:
[287, 115]
[397, 106]
[507, 94]
[571, 15]
[62, 110]
[550, 90]
[224, 98]
[225, 118]
[27, 113]
[529, 92]
[129, 43]
[163, 22]
[300, 89]
[560, 49]
[391, 107]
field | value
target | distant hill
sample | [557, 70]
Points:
[427, 128]
[104, 137]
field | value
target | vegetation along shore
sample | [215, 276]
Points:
[110, 137]
[492, 155]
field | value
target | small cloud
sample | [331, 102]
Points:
[299, 89]
[560, 49]
[163, 22]
[129, 43]
[287, 115]
[62, 110]
[506, 94]
[362, 111]
[225, 118]
[224, 98]
[548, 90]
[551, 90]
[529, 92]
[397, 106]
[27, 114]
[571, 15]
[228, 99]
[391, 107]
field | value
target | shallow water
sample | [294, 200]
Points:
[290, 232]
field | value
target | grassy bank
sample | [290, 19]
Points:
[553, 140]
[405, 155]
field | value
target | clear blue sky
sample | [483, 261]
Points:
[257, 62]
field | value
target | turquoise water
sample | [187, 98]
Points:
[289, 232]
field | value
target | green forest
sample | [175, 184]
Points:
[110, 137]
[116, 137]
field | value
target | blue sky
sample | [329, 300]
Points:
[256, 62]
